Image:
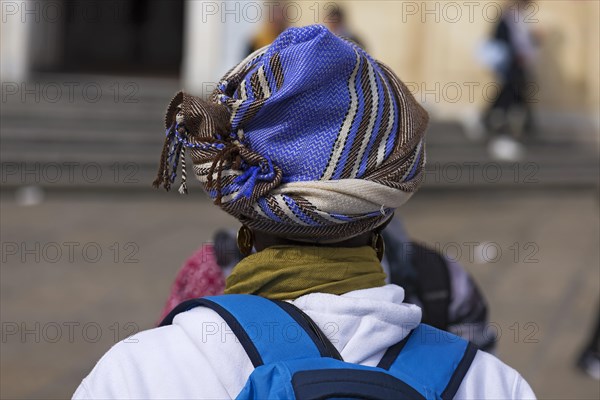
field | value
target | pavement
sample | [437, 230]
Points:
[83, 271]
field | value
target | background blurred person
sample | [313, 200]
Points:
[515, 46]
[589, 360]
[203, 273]
[445, 291]
[275, 23]
[337, 23]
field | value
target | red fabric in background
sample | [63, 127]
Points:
[200, 276]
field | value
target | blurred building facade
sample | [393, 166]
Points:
[129, 37]
[432, 45]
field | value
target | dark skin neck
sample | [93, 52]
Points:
[263, 240]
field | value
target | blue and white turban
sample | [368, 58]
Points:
[308, 138]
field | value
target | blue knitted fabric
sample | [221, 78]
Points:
[311, 107]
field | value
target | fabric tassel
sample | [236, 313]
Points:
[183, 188]
[162, 177]
[167, 172]
[174, 158]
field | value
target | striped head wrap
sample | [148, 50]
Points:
[308, 138]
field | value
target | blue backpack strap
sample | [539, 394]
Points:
[269, 331]
[326, 348]
[436, 359]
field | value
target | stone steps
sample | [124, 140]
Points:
[121, 141]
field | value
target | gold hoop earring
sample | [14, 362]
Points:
[378, 245]
[245, 240]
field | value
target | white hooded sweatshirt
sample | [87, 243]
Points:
[199, 358]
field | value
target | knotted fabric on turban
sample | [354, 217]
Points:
[308, 138]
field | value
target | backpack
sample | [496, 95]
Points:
[294, 360]
[423, 273]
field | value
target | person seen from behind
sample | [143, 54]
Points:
[516, 46]
[312, 145]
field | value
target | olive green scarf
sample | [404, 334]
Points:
[288, 272]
